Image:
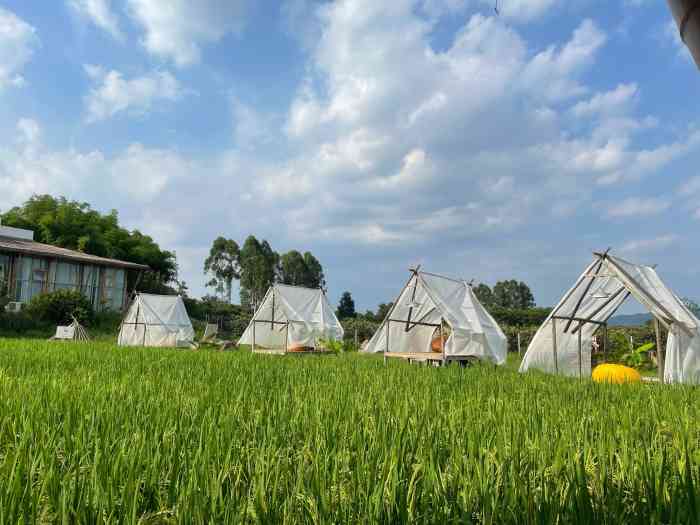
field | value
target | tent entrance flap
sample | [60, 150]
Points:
[563, 344]
[439, 315]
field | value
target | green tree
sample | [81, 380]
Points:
[346, 307]
[301, 270]
[293, 269]
[512, 294]
[693, 306]
[223, 264]
[76, 226]
[259, 269]
[314, 272]
[383, 310]
[484, 295]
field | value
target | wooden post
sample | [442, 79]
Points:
[356, 341]
[442, 342]
[554, 345]
[580, 357]
[520, 351]
[286, 338]
[253, 347]
[605, 342]
[660, 360]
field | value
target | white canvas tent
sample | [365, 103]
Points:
[425, 308]
[156, 320]
[291, 317]
[563, 343]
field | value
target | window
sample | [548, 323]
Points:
[113, 291]
[4, 274]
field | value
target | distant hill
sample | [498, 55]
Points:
[630, 320]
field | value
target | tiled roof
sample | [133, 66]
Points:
[26, 247]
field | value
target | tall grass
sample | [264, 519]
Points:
[93, 433]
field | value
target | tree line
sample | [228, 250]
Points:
[505, 295]
[257, 266]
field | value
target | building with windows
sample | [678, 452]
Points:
[29, 268]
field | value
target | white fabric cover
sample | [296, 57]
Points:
[307, 311]
[156, 320]
[597, 295]
[428, 298]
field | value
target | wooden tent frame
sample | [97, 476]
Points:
[644, 298]
[273, 322]
[420, 357]
[79, 332]
[134, 297]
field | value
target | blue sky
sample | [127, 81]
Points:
[377, 135]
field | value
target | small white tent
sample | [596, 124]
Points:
[563, 343]
[156, 320]
[426, 303]
[291, 317]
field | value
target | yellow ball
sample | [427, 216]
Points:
[617, 374]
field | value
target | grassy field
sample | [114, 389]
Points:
[94, 433]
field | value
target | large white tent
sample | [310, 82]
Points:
[563, 343]
[292, 317]
[431, 306]
[156, 320]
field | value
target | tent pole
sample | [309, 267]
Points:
[386, 348]
[580, 358]
[585, 293]
[669, 317]
[659, 352]
[286, 338]
[272, 321]
[253, 348]
[554, 345]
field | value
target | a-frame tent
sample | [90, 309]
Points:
[289, 318]
[156, 320]
[431, 307]
[562, 345]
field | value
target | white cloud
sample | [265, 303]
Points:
[609, 103]
[30, 131]
[649, 245]
[100, 13]
[637, 206]
[514, 10]
[251, 127]
[136, 174]
[554, 72]
[18, 40]
[523, 10]
[177, 29]
[114, 94]
[385, 123]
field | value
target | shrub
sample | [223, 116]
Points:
[21, 323]
[60, 306]
[365, 328]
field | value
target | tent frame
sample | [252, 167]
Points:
[135, 296]
[274, 323]
[637, 291]
[440, 358]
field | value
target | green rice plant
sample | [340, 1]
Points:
[99, 434]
